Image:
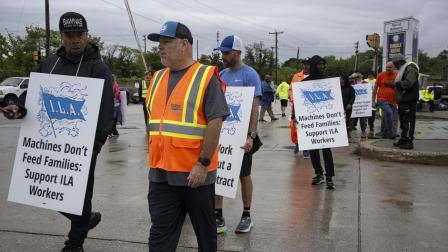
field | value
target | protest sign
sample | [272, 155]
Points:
[363, 101]
[55, 144]
[233, 136]
[320, 114]
[123, 107]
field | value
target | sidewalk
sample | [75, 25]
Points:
[430, 144]
[436, 115]
[376, 206]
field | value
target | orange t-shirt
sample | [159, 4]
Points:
[384, 92]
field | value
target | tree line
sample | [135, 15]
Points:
[17, 58]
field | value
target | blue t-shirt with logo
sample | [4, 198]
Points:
[244, 76]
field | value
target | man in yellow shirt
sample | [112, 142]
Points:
[283, 94]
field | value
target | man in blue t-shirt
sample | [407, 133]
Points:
[239, 75]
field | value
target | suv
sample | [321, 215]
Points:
[13, 90]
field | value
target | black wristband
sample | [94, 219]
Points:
[204, 161]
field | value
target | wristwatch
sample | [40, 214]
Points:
[204, 161]
[252, 135]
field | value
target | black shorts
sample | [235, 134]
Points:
[284, 103]
[246, 166]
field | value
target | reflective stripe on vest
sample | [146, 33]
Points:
[144, 88]
[189, 115]
[157, 76]
[188, 127]
[176, 130]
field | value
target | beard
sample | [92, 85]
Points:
[229, 63]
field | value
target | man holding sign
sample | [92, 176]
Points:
[317, 69]
[78, 58]
[186, 106]
[239, 75]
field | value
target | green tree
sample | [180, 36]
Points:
[259, 57]
[285, 74]
[293, 63]
[17, 52]
[213, 60]
[153, 59]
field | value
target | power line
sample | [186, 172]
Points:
[133, 12]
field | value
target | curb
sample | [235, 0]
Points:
[424, 117]
[369, 150]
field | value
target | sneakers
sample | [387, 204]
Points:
[330, 184]
[363, 135]
[283, 114]
[306, 154]
[318, 179]
[70, 248]
[245, 225]
[274, 119]
[407, 145]
[95, 218]
[399, 142]
[262, 120]
[220, 226]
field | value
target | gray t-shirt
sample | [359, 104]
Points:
[215, 105]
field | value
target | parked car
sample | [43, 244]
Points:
[13, 90]
[136, 98]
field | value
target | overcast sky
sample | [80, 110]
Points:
[325, 27]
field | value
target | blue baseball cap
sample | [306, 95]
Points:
[229, 43]
[172, 29]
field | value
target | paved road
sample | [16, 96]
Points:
[377, 206]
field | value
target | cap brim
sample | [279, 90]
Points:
[74, 30]
[223, 49]
[155, 37]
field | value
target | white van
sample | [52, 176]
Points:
[13, 90]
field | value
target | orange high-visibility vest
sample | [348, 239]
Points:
[296, 78]
[177, 124]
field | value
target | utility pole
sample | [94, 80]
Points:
[47, 28]
[276, 54]
[298, 52]
[144, 43]
[356, 56]
[217, 39]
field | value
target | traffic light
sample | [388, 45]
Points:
[36, 55]
[373, 40]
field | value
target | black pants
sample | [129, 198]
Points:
[328, 159]
[362, 122]
[80, 224]
[407, 113]
[430, 102]
[114, 127]
[371, 120]
[145, 111]
[348, 114]
[168, 206]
